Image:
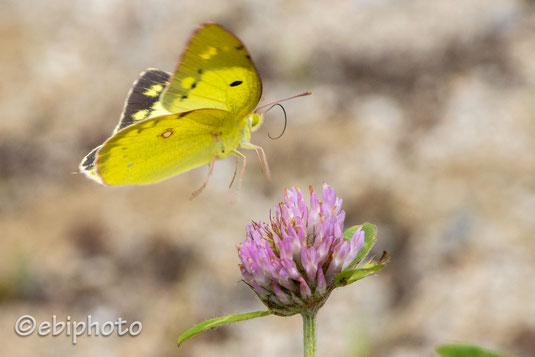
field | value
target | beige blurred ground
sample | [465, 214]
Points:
[422, 117]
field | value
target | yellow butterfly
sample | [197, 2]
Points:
[174, 123]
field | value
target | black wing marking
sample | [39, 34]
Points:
[143, 97]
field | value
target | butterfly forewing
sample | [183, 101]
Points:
[87, 166]
[143, 100]
[215, 71]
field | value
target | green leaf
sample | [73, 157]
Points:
[218, 321]
[349, 276]
[369, 239]
[466, 351]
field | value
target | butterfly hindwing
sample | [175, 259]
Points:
[143, 101]
[215, 71]
[157, 148]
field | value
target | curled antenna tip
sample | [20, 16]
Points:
[285, 121]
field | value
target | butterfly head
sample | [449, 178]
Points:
[255, 120]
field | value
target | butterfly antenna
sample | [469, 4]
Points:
[285, 121]
[282, 100]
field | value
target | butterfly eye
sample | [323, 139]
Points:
[255, 121]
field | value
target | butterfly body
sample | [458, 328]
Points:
[173, 123]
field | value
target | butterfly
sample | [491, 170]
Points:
[172, 123]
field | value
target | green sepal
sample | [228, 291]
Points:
[466, 351]
[369, 239]
[349, 276]
[218, 321]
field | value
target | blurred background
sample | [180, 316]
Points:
[422, 118]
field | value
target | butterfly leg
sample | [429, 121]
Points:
[267, 171]
[261, 156]
[198, 191]
[235, 172]
[242, 171]
[260, 162]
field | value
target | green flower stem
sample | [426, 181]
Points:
[309, 332]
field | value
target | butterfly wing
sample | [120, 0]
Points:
[215, 71]
[87, 166]
[157, 148]
[143, 100]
